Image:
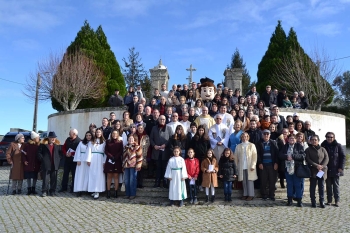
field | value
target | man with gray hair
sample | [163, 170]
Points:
[185, 122]
[68, 150]
[219, 135]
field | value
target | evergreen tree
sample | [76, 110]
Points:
[272, 58]
[134, 72]
[237, 62]
[94, 44]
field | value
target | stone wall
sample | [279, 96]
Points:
[61, 123]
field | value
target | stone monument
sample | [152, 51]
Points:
[233, 78]
[159, 75]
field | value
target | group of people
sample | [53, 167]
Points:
[190, 142]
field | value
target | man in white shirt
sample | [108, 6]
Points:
[163, 91]
[185, 123]
[174, 122]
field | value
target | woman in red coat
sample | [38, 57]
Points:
[31, 162]
[113, 164]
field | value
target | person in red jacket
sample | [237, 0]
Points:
[192, 166]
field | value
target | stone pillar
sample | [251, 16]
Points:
[233, 78]
[159, 75]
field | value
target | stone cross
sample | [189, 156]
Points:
[190, 77]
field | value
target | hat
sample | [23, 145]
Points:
[206, 79]
[52, 134]
[266, 131]
[18, 136]
[295, 114]
[34, 135]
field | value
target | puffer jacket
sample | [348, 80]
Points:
[227, 168]
[336, 157]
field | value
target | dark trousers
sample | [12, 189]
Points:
[191, 189]
[332, 185]
[69, 166]
[200, 175]
[257, 181]
[320, 183]
[49, 176]
[268, 180]
[161, 166]
[140, 178]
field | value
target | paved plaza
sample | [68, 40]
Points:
[149, 213]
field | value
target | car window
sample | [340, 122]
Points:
[11, 138]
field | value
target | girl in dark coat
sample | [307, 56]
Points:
[227, 172]
[30, 161]
[178, 139]
[200, 144]
[113, 164]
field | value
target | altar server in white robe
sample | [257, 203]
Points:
[81, 174]
[176, 173]
[96, 159]
[227, 119]
[219, 135]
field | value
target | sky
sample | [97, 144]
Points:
[204, 33]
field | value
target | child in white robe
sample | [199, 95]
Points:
[176, 173]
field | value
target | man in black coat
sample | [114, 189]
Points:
[266, 96]
[115, 100]
[106, 130]
[335, 167]
[304, 102]
[281, 96]
[308, 132]
[153, 121]
[267, 161]
[280, 118]
[69, 148]
[49, 154]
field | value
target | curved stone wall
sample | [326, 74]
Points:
[62, 122]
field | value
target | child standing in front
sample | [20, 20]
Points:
[192, 166]
[176, 173]
[210, 168]
[227, 171]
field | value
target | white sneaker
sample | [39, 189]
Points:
[97, 195]
[93, 194]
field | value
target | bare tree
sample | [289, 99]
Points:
[68, 80]
[298, 72]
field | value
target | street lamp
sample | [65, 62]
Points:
[38, 83]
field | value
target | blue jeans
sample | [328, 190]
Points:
[294, 184]
[302, 188]
[227, 187]
[130, 180]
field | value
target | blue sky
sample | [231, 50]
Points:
[199, 32]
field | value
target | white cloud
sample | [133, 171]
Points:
[328, 29]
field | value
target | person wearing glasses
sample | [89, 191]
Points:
[174, 122]
[335, 167]
[219, 135]
[159, 138]
[317, 158]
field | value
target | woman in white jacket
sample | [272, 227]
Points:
[246, 158]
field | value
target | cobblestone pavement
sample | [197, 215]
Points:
[68, 213]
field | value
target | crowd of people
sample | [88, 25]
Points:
[187, 142]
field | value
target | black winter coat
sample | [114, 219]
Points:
[227, 168]
[273, 148]
[44, 155]
[336, 157]
[200, 148]
[172, 143]
[298, 155]
[254, 136]
[266, 98]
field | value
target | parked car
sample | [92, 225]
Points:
[5, 142]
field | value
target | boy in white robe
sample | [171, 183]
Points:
[176, 173]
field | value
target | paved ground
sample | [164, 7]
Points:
[67, 213]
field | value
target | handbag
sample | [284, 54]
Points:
[303, 170]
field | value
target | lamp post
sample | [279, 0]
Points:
[38, 83]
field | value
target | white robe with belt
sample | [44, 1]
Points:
[82, 172]
[176, 170]
[97, 157]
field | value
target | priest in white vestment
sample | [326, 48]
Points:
[205, 119]
[219, 135]
[227, 118]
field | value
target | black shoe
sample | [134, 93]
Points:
[322, 205]
[33, 191]
[290, 201]
[295, 199]
[19, 191]
[116, 194]
[29, 191]
[181, 204]
[44, 194]
[79, 194]
[264, 198]
[14, 192]
[108, 194]
[62, 190]
[52, 193]
[71, 191]
[313, 204]
[225, 197]
[300, 204]
[272, 199]
[229, 199]
[212, 198]
[207, 198]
